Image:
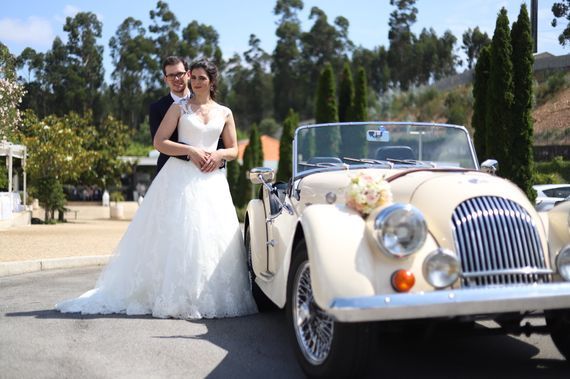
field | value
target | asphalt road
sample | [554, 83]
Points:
[38, 342]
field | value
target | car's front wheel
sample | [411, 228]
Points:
[558, 321]
[262, 301]
[324, 348]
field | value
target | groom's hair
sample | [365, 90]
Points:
[173, 60]
[212, 72]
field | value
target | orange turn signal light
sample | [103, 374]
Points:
[403, 280]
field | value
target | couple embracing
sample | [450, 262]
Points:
[182, 255]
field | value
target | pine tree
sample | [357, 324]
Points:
[500, 96]
[327, 139]
[522, 129]
[480, 85]
[285, 167]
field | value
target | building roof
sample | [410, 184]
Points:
[8, 148]
[269, 145]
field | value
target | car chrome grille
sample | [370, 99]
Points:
[498, 243]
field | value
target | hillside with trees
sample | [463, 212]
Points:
[64, 88]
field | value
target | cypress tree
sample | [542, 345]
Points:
[500, 96]
[285, 167]
[354, 143]
[255, 147]
[522, 128]
[360, 110]
[233, 169]
[252, 157]
[346, 107]
[307, 146]
[478, 119]
[244, 185]
[327, 139]
[346, 95]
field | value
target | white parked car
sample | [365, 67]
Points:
[548, 195]
[385, 222]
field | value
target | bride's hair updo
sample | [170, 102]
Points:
[211, 71]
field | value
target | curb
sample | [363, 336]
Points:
[22, 267]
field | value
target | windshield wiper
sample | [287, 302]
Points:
[368, 161]
[411, 162]
[322, 164]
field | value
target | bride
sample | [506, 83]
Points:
[182, 256]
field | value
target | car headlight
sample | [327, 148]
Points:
[400, 230]
[563, 262]
[441, 268]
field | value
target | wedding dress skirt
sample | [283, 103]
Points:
[182, 256]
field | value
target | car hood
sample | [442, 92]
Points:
[436, 193]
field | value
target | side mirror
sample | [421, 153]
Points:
[259, 175]
[490, 166]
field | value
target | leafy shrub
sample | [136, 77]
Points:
[556, 171]
[117, 196]
[551, 86]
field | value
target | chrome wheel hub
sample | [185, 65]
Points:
[313, 327]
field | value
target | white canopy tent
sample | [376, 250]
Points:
[10, 150]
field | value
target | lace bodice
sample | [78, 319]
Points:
[193, 131]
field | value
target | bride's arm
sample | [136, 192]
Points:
[162, 140]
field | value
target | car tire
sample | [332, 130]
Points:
[342, 354]
[264, 304]
[558, 322]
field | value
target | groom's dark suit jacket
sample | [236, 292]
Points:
[156, 114]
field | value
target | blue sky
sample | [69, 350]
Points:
[35, 23]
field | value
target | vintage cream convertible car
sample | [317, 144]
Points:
[388, 221]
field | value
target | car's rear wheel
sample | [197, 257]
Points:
[324, 348]
[558, 321]
[264, 304]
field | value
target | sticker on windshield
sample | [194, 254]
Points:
[380, 135]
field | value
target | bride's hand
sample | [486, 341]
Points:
[198, 156]
[213, 162]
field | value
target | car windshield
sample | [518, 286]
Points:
[349, 145]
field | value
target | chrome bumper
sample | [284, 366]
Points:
[451, 303]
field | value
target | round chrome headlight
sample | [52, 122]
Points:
[441, 268]
[400, 230]
[563, 262]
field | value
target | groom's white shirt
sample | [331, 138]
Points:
[178, 99]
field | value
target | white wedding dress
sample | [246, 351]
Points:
[182, 255]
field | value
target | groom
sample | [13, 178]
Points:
[176, 75]
[175, 71]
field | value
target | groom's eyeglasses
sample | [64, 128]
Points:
[177, 75]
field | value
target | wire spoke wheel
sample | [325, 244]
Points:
[313, 327]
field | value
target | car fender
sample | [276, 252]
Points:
[558, 228]
[328, 230]
[255, 215]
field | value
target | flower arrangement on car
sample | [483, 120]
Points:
[366, 193]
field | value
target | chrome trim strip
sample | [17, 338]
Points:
[523, 270]
[449, 303]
